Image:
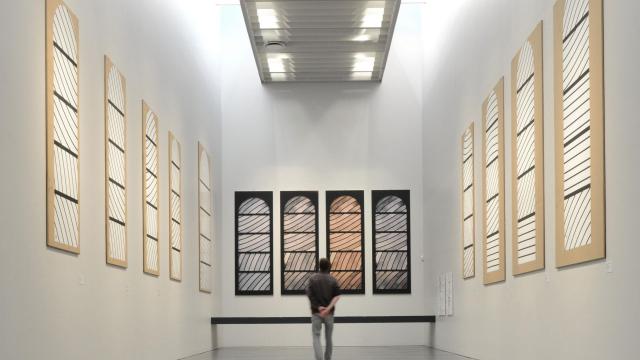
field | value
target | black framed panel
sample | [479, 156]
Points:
[345, 239]
[299, 240]
[254, 242]
[391, 241]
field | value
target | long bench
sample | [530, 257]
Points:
[307, 320]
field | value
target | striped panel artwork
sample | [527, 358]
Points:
[175, 209]
[115, 165]
[254, 238]
[527, 156]
[62, 123]
[204, 219]
[150, 206]
[580, 198]
[468, 206]
[299, 239]
[493, 170]
[345, 239]
[391, 242]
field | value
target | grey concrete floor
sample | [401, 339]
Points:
[340, 353]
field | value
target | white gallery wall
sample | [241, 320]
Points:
[339, 136]
[54, 305]
[588, 311]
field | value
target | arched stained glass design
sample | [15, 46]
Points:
[116, 165]
[391, 242]
[63, 133]
[151, 263]
[204, 219]
[345, 239]
[175, 209]
[254, 239]
[299, 235]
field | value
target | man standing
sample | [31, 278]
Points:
[323, 292]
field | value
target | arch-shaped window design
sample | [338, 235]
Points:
[204, 223]
[579, 121]
[345, 239]
[468, 206]
[299, 235]
[493, 169]
[527, 156]
[116, 164]
[254, 238]
[175, 209]
[391, 242]
[150, 206]
[63, 118]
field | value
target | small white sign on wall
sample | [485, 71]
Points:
[449, 293]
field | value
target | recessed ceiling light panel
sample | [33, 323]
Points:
[320, 40]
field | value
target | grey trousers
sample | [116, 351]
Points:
[316, 328]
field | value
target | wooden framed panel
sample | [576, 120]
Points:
[254, 242]
[150, 154]
[175, 208]
[299, 239]
[345, 239]
[391, 241]
[204, 219]
[527, 156]
[579, 125]
[468, 205]
[115, 128]
[493, 189]
[63, 127]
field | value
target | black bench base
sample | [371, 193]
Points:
[307, 320]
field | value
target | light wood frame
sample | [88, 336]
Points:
[597, 248]
[51, 7]
[173, 140]
[535, 40]
[203, 155]
[108, 66]
[145, 110]
[471, 130]
[495, 276]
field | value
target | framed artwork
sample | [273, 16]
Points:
[527, 156]
[468, 205]
[204, 219]
[175, 208]
[299, 239]
[391, 241]
[579, 126]
[345, 239]
[254, 242]
[62, 123]
[493, 190]
[115, 105]
[151, 261]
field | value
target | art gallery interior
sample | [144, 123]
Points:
[173, 170]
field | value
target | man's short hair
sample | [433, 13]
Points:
[325, 265]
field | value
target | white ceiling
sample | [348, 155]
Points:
[320, 40]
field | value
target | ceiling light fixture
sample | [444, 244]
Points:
[364, 63]
[373, 18]
[268, 19]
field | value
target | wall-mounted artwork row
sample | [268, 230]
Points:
[175, 208]
[579, 127]
[527, 156]
[345, 239]
[151, 263]
[493, 191]
[62, 61]
[115, 105]
[254, 238]
[468, 206]
[204, 219]
[299, 239]
[391, 242]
